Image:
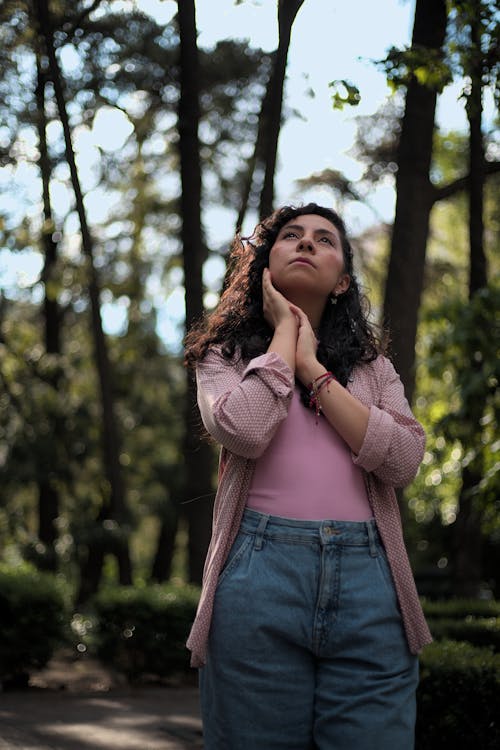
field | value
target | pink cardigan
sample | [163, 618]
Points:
[242, 403]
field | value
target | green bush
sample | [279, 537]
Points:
[445, 609]
[33, 621]
[458, 698]
[480, 631]
[142, 632]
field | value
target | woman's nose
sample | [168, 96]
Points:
[306, 243]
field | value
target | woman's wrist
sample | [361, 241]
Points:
[309, 371]
[287, 324]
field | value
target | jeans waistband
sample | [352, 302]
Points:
[330, 531]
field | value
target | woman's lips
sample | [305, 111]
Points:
[303, 260]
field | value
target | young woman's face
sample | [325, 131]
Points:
[307, 258]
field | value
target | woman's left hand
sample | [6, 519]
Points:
[306, 363]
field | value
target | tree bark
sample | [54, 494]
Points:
[198, 457]
[287, 12]
[269, 125]
[467, 529]
[414, 200]
[161, 568]
[478, 275]
[114, 504]
[48, 495]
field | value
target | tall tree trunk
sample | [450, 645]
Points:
[478, 274]
[253, 162]
[287, 11]
[414, 199]
[467, 532]
[114, 506]
[268, 129]
[161, 568]
[48, 495]
[198, 457]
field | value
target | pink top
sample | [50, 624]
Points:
[307, 472]
[242, 404]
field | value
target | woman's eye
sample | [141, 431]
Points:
[288, 235]
[327, 240]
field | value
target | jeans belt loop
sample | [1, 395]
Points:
[370, 527]
[259, 534]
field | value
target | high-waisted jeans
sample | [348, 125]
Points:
[306, 648]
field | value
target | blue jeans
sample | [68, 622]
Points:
[306, 648]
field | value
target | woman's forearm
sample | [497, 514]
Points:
[343, 411]
[284, 341]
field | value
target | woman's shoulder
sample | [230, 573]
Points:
[218, 355]
[374, 377]
[376, 368]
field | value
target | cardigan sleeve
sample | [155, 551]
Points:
[242, 408]
[394, 443]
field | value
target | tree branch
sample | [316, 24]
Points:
[452, 188]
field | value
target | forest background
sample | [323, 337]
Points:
[130, 151]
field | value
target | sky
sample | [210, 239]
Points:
[331, 39]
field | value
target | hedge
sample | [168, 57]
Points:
[142, 632]
[479, 631]
[461, 608]
[458, 698]
[34, 617]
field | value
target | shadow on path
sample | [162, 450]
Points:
[89, 711]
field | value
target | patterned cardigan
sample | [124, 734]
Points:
[243, 402]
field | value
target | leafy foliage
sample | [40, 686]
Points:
[344, 92]
[457, 697]
[461, 608]
[425, 65]
[33, 621]
[479, 631]
[465, 344]
[118, 64]
[142, 632]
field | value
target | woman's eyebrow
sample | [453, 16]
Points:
[292, 226]
[320, 230]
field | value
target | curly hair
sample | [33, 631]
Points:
[237, 324]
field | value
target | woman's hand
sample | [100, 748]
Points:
[279, 315]
[306, 363]
[277, 309]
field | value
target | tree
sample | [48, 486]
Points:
[114, 502]
[463, 333]
[198, 457]
[48, 493]
[405, 274]
[287, 11]
[477, 19]
[265, 151]
[127, 64]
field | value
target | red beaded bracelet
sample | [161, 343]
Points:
[315, 387]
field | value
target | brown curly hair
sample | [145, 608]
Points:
[237, 324]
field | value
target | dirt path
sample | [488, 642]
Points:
[80, 706]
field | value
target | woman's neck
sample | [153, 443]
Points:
[313, 308]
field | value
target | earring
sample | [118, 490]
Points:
[333, 299]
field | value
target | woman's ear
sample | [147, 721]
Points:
[342, 284]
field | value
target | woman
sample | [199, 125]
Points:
[309, 622]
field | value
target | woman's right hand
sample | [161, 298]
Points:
[282, 319]
[276, 307]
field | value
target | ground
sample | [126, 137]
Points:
[78, 705]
